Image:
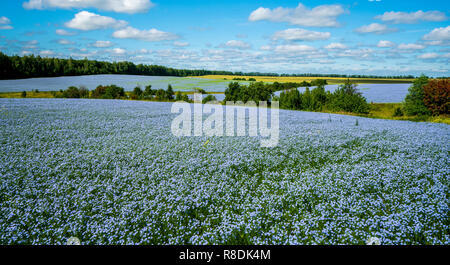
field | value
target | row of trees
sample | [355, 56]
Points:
[256, 92]
[428, 97]
[115, 92]
[345, 98]
[14, 67]
[101, 92]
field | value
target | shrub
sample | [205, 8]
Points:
[137, 93]
[108, 92]
[398, 112]
[24, 94]
[348, 98]
[437, 96]
[209, 98]
[414, 100]
[71, 92]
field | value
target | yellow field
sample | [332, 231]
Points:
[330, 80]
[44, 94]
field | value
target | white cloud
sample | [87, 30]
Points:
[320, 16]
[237, 44]
[145, 35]
[335, 46]
[294, 48]
[385, 44]
[120, 6]
[181, 44]
[413, 17]
[46, 53]
[63, 32]
[411, 46]
[118, 51]
[5, 23]
[266, 48]
[85, 20]
[438, 34]
[357, 54]
[64, 42]
[374, 28]
[102, 44]
[427, 56]
[301, 34]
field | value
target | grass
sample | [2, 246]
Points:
[30, 94]
[330, 80]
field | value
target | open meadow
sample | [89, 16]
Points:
[111, 172]
[330, 80]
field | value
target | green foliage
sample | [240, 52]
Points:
[149, 92]
[181, 97]
[398, 112]
[209, 98]
[169, 92]
[345, 98]
[13, 67]
[348, 98]
[256, 91]
[137, 93]
[319, 82]
[414, 100]
[108, 92]
[24, 94]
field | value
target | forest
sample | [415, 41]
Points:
[16, 67]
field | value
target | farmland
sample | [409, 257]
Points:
[330, 80]
[110, 172]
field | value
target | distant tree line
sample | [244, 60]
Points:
[350, 76]
[15, 67]
[345, 98]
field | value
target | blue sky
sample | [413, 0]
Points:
[346, 37]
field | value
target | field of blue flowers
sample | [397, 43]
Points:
[110, 172]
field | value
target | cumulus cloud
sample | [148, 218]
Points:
[335, 46]
[374, 28]
[64, 42]
[5, 23]
[150, 35]
[237, 44]
[385, 44]
[294, 48]
[181, 44]
[47, 53]
[320, 16]
[63, 32]
[102, 44]
[428, 56]
[300, 34]
[413, 17]
[266, 48]
[120, 6]
[411, 46]
[118, 51]
[357, 54]
[85, 20]
[438, 34]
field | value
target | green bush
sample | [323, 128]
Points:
[414, 100]
[209, 98]
[398, 112]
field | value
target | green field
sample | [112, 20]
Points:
[330, 80]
